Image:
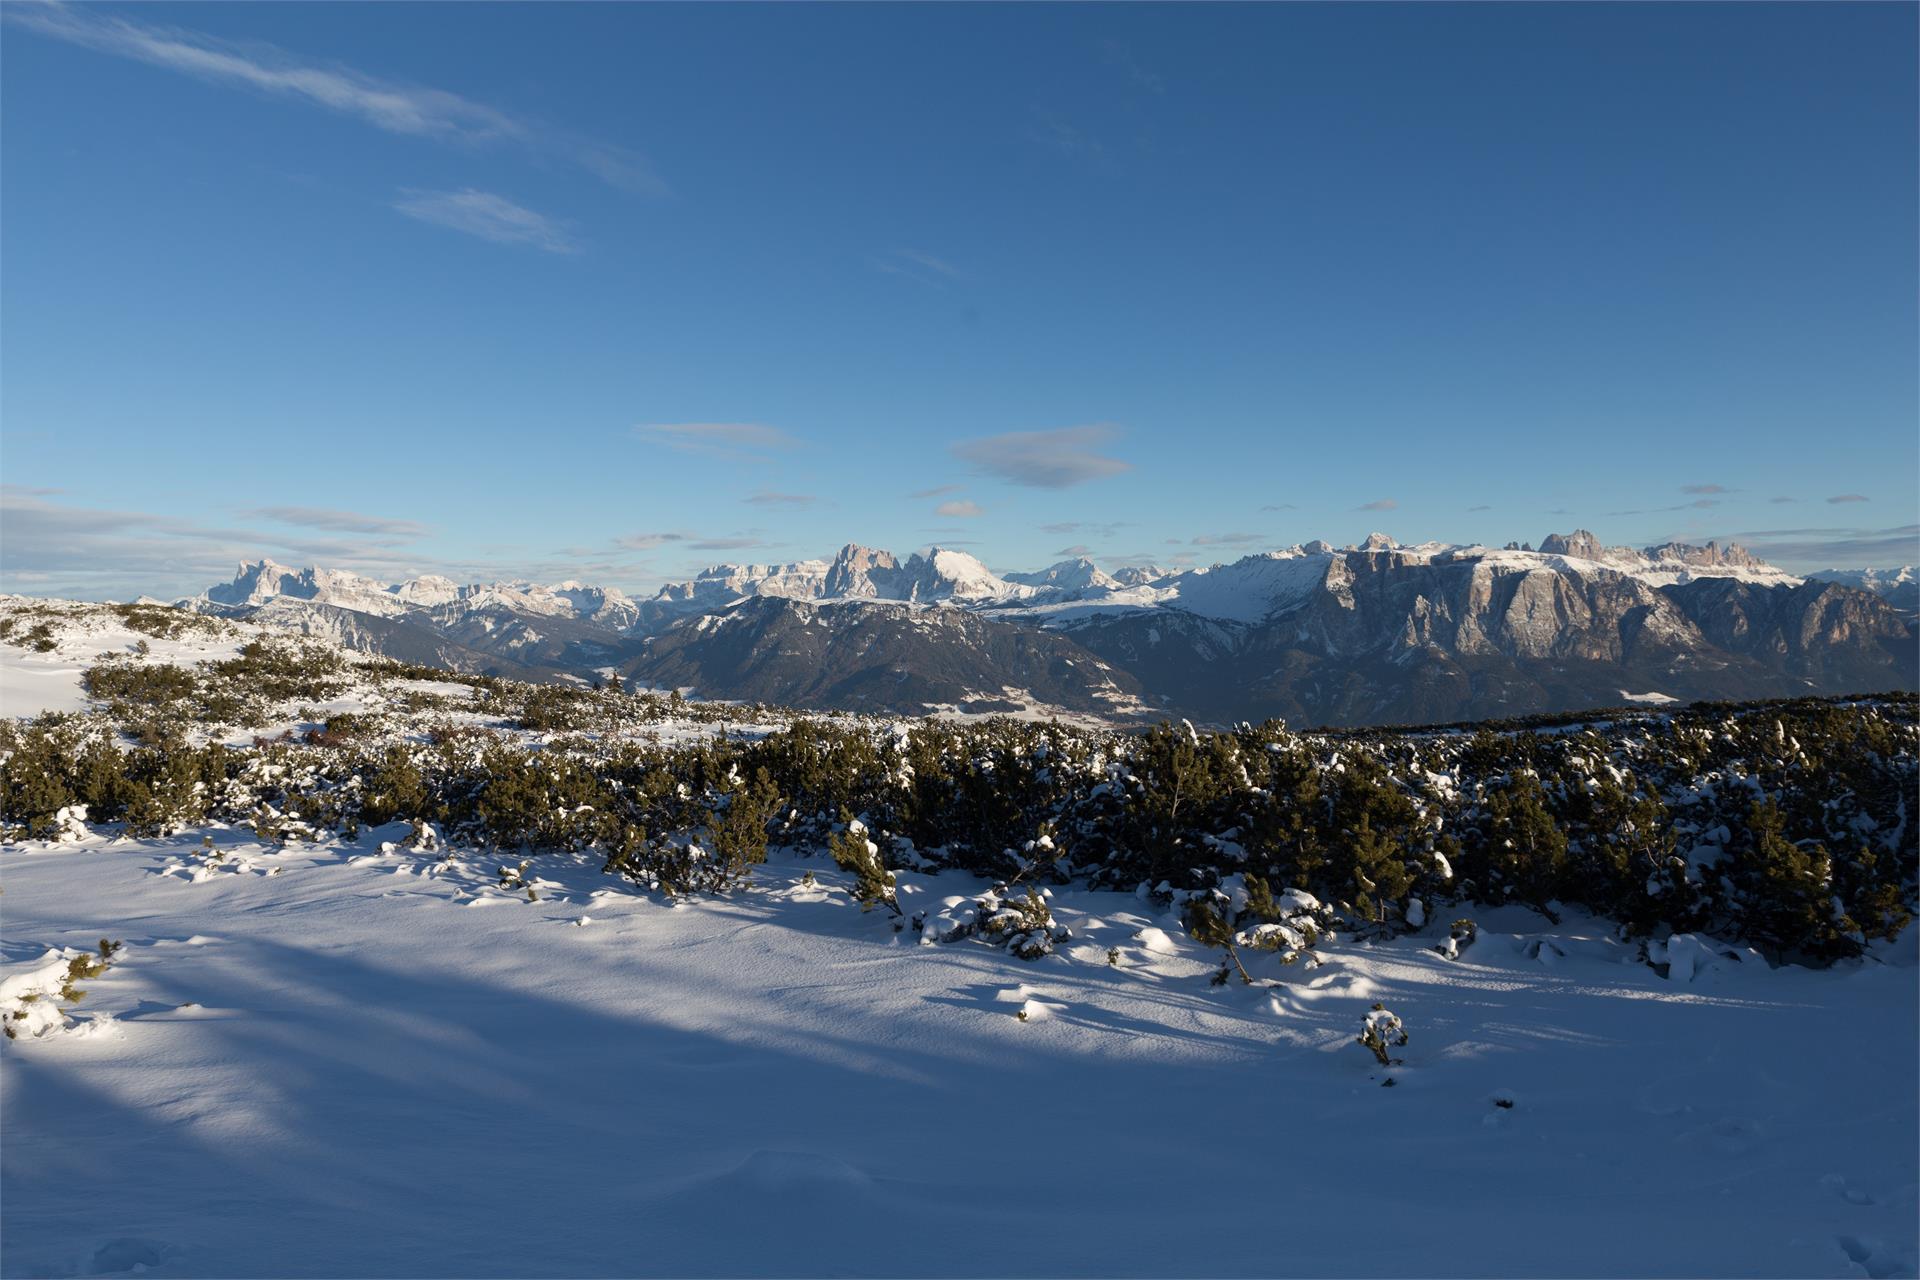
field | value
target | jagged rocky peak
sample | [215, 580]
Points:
[853, 571]
[1731, 556]
[258, 580]
[1378, 542]
[1579, 544]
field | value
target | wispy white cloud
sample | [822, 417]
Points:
[344, 521]
[1120, 57]
[1378, 504]
[934, 492]
[960, 508]
[1704, 488]
[1056, 459]
[1097, 528]
[767, 498]
[488, 216]
[1849, 497]
[689, 541]
[391, 106]
[739, 542]
[1077, 549]
[1055, 131]
[738, 441]
[1698, 504]
[648, 541]
[1225, 539]
[912, 264]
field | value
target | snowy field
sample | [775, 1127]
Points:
[324, 1060]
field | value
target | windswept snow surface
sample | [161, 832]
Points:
[333, 1060]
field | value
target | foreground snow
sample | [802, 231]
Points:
[329, 1060]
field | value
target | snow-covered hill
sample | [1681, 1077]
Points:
[354, 1059]
[476, 1035]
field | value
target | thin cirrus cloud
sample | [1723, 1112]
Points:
[390, 106]
[1096, 528]
[912, 264]
[1120, 57]
[1225, 539]
[1077, 549]
[488, 216]
[1378, 504]
[1056, 459]
[767, 498]
[960, 508]
[1698, 504]
[691, 541]
[1055, 131]
[1849, 497]
[1704, 488]
[734, 441]
[934, 492]
[338, 521]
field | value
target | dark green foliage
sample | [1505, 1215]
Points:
[859, 856]
[280, 671]
[1649, 820]
[737, 824]
[163, 622]
[85, 967]
[1207, 922]
[1525, 854]
[1025, 925]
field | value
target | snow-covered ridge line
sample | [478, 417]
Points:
[1248, 589]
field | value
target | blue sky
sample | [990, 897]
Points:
[612, 292]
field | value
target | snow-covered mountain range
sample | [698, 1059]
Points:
[1244, 590]
[1375, 631]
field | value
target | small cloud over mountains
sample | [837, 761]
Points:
[1056, 459]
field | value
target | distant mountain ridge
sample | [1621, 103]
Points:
[1898, 587]
[1374, 632]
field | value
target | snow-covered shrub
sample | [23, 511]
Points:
[1245, 912]
[71, 823]
[1459, 938]
[33, 1004]
[1024, 925]
[737, 824]
[1381, 1030]
[1207, 920]
[860, 856]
